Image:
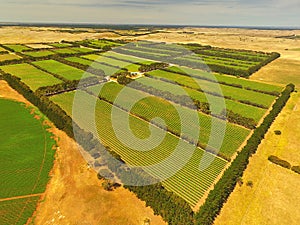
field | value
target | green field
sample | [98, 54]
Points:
[65, 51]
[101, 59]
[7, 57]
[108, 70]
[235, 93]
[129, 58]
[197, 181]
[60, 45]
[39, 53]
[245, 83]
[151, 107]
[63, 70]
[17, 211]
[245, 110]
[83, 50]
[26, 158]
[31, 76]
[17, 48]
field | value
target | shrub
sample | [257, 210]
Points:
[249, 183]
[277, 132]
[296, 169]
[280, 162]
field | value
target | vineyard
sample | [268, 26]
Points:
[161, 152]
[27, 155]
[182, 85]
[31, 76]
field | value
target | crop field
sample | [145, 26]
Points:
[229, 80]
[65, 51]
[31, 76]
[101, 59]
[245, 110]
[60, 45]
[101, 43]
[225, 61]
[17, 211]
[27, 155]
[39, 53]
[234, 135]
[17, 48]
[63, 70]
[108, 70]
[7, 57]
[83, 50]
[235, 93]
[190, 191]
[126, 58]
[159, 96]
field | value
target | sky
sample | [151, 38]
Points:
[173, 12]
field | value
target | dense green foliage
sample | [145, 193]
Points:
[153, 66]
[172, 208]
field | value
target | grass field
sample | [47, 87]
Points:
[31, 76]
[7, 57]
[191, 191]
[63, 70]
[17, 48]
[39, 53]
[27, 155]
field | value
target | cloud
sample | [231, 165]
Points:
[196, 12]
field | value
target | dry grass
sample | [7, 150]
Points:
[275, 196]
[38, 46]
[38, 35]
[281, 71]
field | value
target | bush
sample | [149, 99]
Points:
[277, 132]
[280, 162]
[249, 183]
[296, 169]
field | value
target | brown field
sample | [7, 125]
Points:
[75, 193]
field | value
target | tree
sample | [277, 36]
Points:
[249, 183]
